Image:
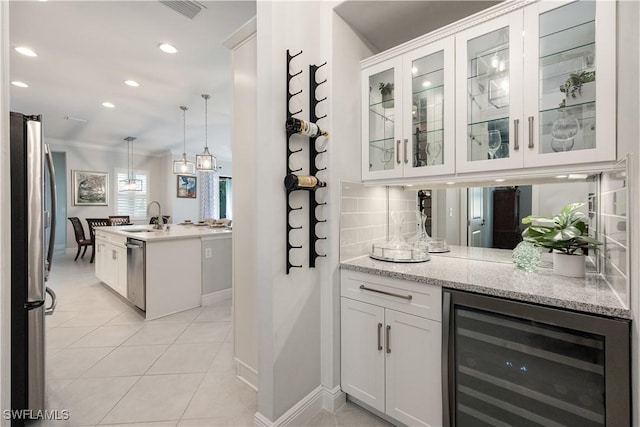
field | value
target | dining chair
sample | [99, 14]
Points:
[81, 239]
[119, 220]
[93, 223]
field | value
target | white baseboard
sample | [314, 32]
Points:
[214, 297]
[303, 411]
[333, 399]
[246, 374]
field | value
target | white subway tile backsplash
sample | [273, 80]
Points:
[349, 204]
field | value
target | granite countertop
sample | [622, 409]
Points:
[148, 234]
[490, 272]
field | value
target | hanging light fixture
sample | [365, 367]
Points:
[184, 166]
[130, 184]
[206, 162]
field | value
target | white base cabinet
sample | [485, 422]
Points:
[111, 261]
[391, 360]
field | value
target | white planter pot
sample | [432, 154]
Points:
[568, 265]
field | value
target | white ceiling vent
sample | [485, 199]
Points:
[184, 7]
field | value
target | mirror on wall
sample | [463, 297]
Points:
[491, 217]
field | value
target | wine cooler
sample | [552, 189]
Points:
[507, 363]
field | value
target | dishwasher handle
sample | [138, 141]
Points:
[134, 246]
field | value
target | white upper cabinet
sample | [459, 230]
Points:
[522, 86]
[527, 89]
[408, 114]
[571, 62]
[489, 95]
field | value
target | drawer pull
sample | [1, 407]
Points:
[516, 143]
[407, 297]
[531, 132]
[406, 159]
[388, 339]
[379, 336]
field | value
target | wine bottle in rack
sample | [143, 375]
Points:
[302, 182]
[304, 127]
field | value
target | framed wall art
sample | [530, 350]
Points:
[90, 188]
[187, 186]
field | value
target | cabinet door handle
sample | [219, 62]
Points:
[388, 339]
[531, 132]
[398, 152]
[379, 336]
[406, 159]
[516, 127]
[364, 288]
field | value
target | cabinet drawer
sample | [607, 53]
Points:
[425, 301]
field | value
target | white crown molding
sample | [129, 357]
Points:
[448, 30]
[78, 144]
[243, 33]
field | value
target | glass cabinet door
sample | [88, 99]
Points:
[428, 134]
[381, 125]
[488, 110]
[568, 49]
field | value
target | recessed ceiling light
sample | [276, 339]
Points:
[25, 51]
[108, 104]
[166, 47]
[131, 83]
[409, 185]
[426, 84]
[561, 176]
[499, 179]
[19, 84]
[414, 70]
[450, 182]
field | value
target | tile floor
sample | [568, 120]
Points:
[107, 366]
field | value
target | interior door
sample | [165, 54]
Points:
[476, 220]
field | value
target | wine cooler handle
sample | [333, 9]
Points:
[398, 151]
[406, 159]
[388, 339]
[516, 142]
[379, 336]
[531, 132]
[446, 319]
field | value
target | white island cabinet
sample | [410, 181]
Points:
[391, 346]
[177, 268]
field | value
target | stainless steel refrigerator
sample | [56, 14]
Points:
[32, 239]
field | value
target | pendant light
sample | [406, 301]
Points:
[206, 162]
[130, 184]
[184, 166]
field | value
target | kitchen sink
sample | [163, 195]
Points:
[141, 231]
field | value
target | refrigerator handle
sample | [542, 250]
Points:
[48, 311]
[54, 204]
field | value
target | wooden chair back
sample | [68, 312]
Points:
[119, 219]
[78, 229]
[93, 223]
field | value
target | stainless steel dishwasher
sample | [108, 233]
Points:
[136, 273]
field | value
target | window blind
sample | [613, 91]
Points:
[133, 204]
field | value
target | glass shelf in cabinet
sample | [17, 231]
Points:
[383, 104]
[380, 143]
[483, 63]
[499, 119]
[417, 76]
[578, 35]
[586, 51]
[428, 89]
[573, 107]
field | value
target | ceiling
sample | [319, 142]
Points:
[86, 49]
[388, 23]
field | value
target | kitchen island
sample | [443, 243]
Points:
[177, 264]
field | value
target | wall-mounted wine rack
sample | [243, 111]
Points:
[313, 165]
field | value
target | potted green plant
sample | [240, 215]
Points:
[565, 235]
[579, 87]
[386, 90]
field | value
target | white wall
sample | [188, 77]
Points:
[5, 220]
[243, 45]
[99, 159]
[628, 131]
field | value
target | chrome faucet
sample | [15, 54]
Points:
[160, 222]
